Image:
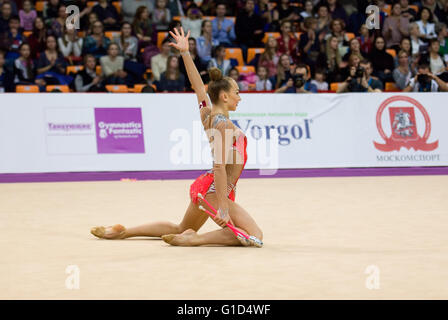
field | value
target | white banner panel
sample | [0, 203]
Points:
[148, 132]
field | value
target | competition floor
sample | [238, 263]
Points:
[321, 235]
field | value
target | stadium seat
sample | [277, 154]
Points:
[90, 4]
[112, 34]
[387, 8]
[98, 70]
[117, 5]
[27, 33]
[138, 87]
[335, 85]
[235, 53]
[73, 69]
[63, 88]
[177, 18]
[27, 88]
[391, 86]
[81, 34]
[350, 35]
[252, 52]
[40, 5]
[298, 34]
[117, 88]
[245, 69]
[414, 7]
[275, 35]
[160, 37]
[391, 52]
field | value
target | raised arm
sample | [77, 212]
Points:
[181, 44]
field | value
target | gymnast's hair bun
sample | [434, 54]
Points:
[215, 74]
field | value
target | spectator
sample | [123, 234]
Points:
[161, 15]
[402, 74]
[436, 9]
[395, 28]
[57, 24]
[200, 66]
[284, 12]
[38, 38]
[284, 73]
[383, 62]
[406, 11]
[319, 80]
[219, 60]
[442, 33]
[269, 58]
[51, 11]
[360, 80]
[265, 8]
[353, 48]
[12, 39]
[299, 82]
[172, 80]
[6, 14]
[107, 14]
[353, 61]
[323, 21]
[130, 7]
[308, 12]
[24, 68]
[27, 15]
[96, 43]
[51, 64]
[435, 61]
[205, 42]
[87, 80]
[249, 28]
[334, 60]
[425, 81]
[337, 11]
[309, 44]
[70, 45]
[112, 66]
[287, 41]
[416, 43]
[426, 24]
[262, 80]
[365, 40]
[235, 75]
[127, 43]
[337, 29]
[405, 45]
[142, 26]
[223, 29]
[84, 11]
[6, 76]
[193, 22]
[159, 61]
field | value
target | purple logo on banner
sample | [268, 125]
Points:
[119, 130]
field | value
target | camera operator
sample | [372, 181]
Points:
[360, 80]
[425, 81]
[299, 82]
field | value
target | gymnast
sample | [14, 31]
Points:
[217, 187]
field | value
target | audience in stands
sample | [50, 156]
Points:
[127, 43]
[27, 15]
[262, 80]
[200, 65]
[425, 81]
[205, 42]
[96, 43]
[87, 79]
[107, 14]
[171, 80]
[219, 60]
[193, 22]
[223, 29]
[6, 76]
[159, 61]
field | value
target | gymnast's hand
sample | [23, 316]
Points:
[181, 40]
[223, 217]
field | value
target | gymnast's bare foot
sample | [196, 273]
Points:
[111, 233]
[185, 239]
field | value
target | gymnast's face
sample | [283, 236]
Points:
[233, 96]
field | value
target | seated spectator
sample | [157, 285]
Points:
[395, 28]
[442, 33]
[284, 11]
[70, 45]
[96, 43]
[309, 44]
[269, 58]
[223, 29]
[175, 7]
[406, 11]
[161, 15]
[417, 45]
[334, 61]
[130, 7]
[142, 26]
[27, 15]
[84, 11]
[337, 29]
[12, 39]
[365, 40]
[38, 38]
[6, 76]
[127, 43]
[337, 11]
[308, 12]
[200, 66]
[360, 80]
[51, 10]
[235, 75]
[6, 14]
[435, 61]
[107, 14]
[249, 28]
[353, 48]
[112, 66]
[219, 60]
[405, 45]
[319, 80]
[24, 68]
[87, 80]
[402, 73]
[51, 64]
[159, 61]
[299, 82]
[193, 22]
[91, 19]
[426, 24]
[425, 81]
[287, 42]
[353, 61]
[284, 72]
[58, 23]
[383, 62]
[266, 11]
[262, 80]
[205, 42]
[171, 80]
[323, 20]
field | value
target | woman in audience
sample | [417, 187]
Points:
[426, 24]
[58, 24]
[38, 38]
[365, 40]
[353, 48]
[334, 60]
[127, 43]
[269, 58]
[205, 42]
[112, 66]
[161, 15]
[402, 73]
[24, 68]
[87, 80]
[96, 43]
[142, 26]
[51, 64]
[395, 28]
[416, 43]
[219, 60]
[172, 80]
[382, 62]
[262, 80]
[200, 66]
[192, 22]
[283, 71]
[70, 45]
